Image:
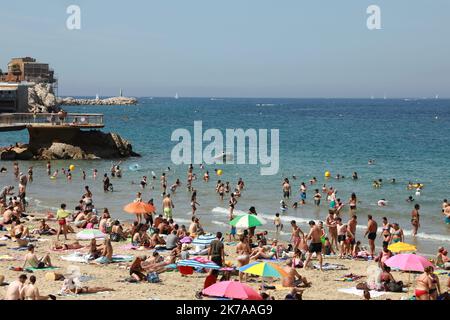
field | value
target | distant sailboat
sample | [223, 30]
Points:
[176, 95]
[436, 97]
[372, 97]
[97, 97]
[384, 97]
[120, 93]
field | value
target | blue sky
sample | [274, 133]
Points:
[236, 48]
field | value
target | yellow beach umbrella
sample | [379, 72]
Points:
[402, 247]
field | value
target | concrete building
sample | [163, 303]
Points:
[27, 69]
[13, 97]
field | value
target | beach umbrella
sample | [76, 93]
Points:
[139, 208]
[402, 247]
[408, 262]
[247, 221]
[232, 290]
[198, 262]
[88, 234]
[204, 240]
[264, 269]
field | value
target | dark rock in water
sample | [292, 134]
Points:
[70, 144]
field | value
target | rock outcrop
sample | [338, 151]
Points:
[41, 99]
[82, 145]
[99, 102]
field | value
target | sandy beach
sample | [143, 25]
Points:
[173, 285]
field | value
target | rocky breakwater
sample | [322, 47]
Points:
[70, 144]
[69, 101]
[41, 99]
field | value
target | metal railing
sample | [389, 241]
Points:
[69, 119]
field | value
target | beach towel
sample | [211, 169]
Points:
[231, 243]
[82, 258]
[441, 272]
[40, 269]
[330, 266]
[19, 248]
[349, 277]
[198, 253]
[6, 257]
[373, 293]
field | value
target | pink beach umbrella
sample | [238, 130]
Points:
[408, 262]
[232, 290]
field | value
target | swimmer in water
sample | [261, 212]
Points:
[410, 199]
[355, 175]
[382, 202]
[370, 162]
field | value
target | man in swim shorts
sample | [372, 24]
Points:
[371, 233]
[315, 246]
[167, 207]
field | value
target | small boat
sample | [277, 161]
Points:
[176, 95]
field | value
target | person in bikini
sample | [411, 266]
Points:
[397, 233]
[386, 232]
[423, 285]
[415, 219]
[243, 250]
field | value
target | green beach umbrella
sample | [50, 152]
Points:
[247, 221]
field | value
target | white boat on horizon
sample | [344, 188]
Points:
[176, 95]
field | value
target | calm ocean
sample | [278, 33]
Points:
[409, 140]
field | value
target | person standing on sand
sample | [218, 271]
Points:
[371, 233]
[61, 216]
[243, 250]
[216, 251]
[330, 222]
[295, 235]
[415, 219]
[352, 223]
[167, 207]
[315, 246]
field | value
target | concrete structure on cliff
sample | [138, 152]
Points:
[28, 69]
[13, 97]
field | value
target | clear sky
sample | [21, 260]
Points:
[236, 48]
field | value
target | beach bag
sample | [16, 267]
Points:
[394, 286]
[153, 277]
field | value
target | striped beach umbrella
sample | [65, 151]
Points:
[247, 221]
[198, 263]
[204, 240]
[88, 234]
[264, 269]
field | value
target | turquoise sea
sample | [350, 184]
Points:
[409, 140]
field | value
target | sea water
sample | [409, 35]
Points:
[408, 139]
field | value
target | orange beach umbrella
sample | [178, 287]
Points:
[139, 208]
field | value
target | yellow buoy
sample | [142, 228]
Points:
[327, 174]
[219, 172]
[72, 167]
